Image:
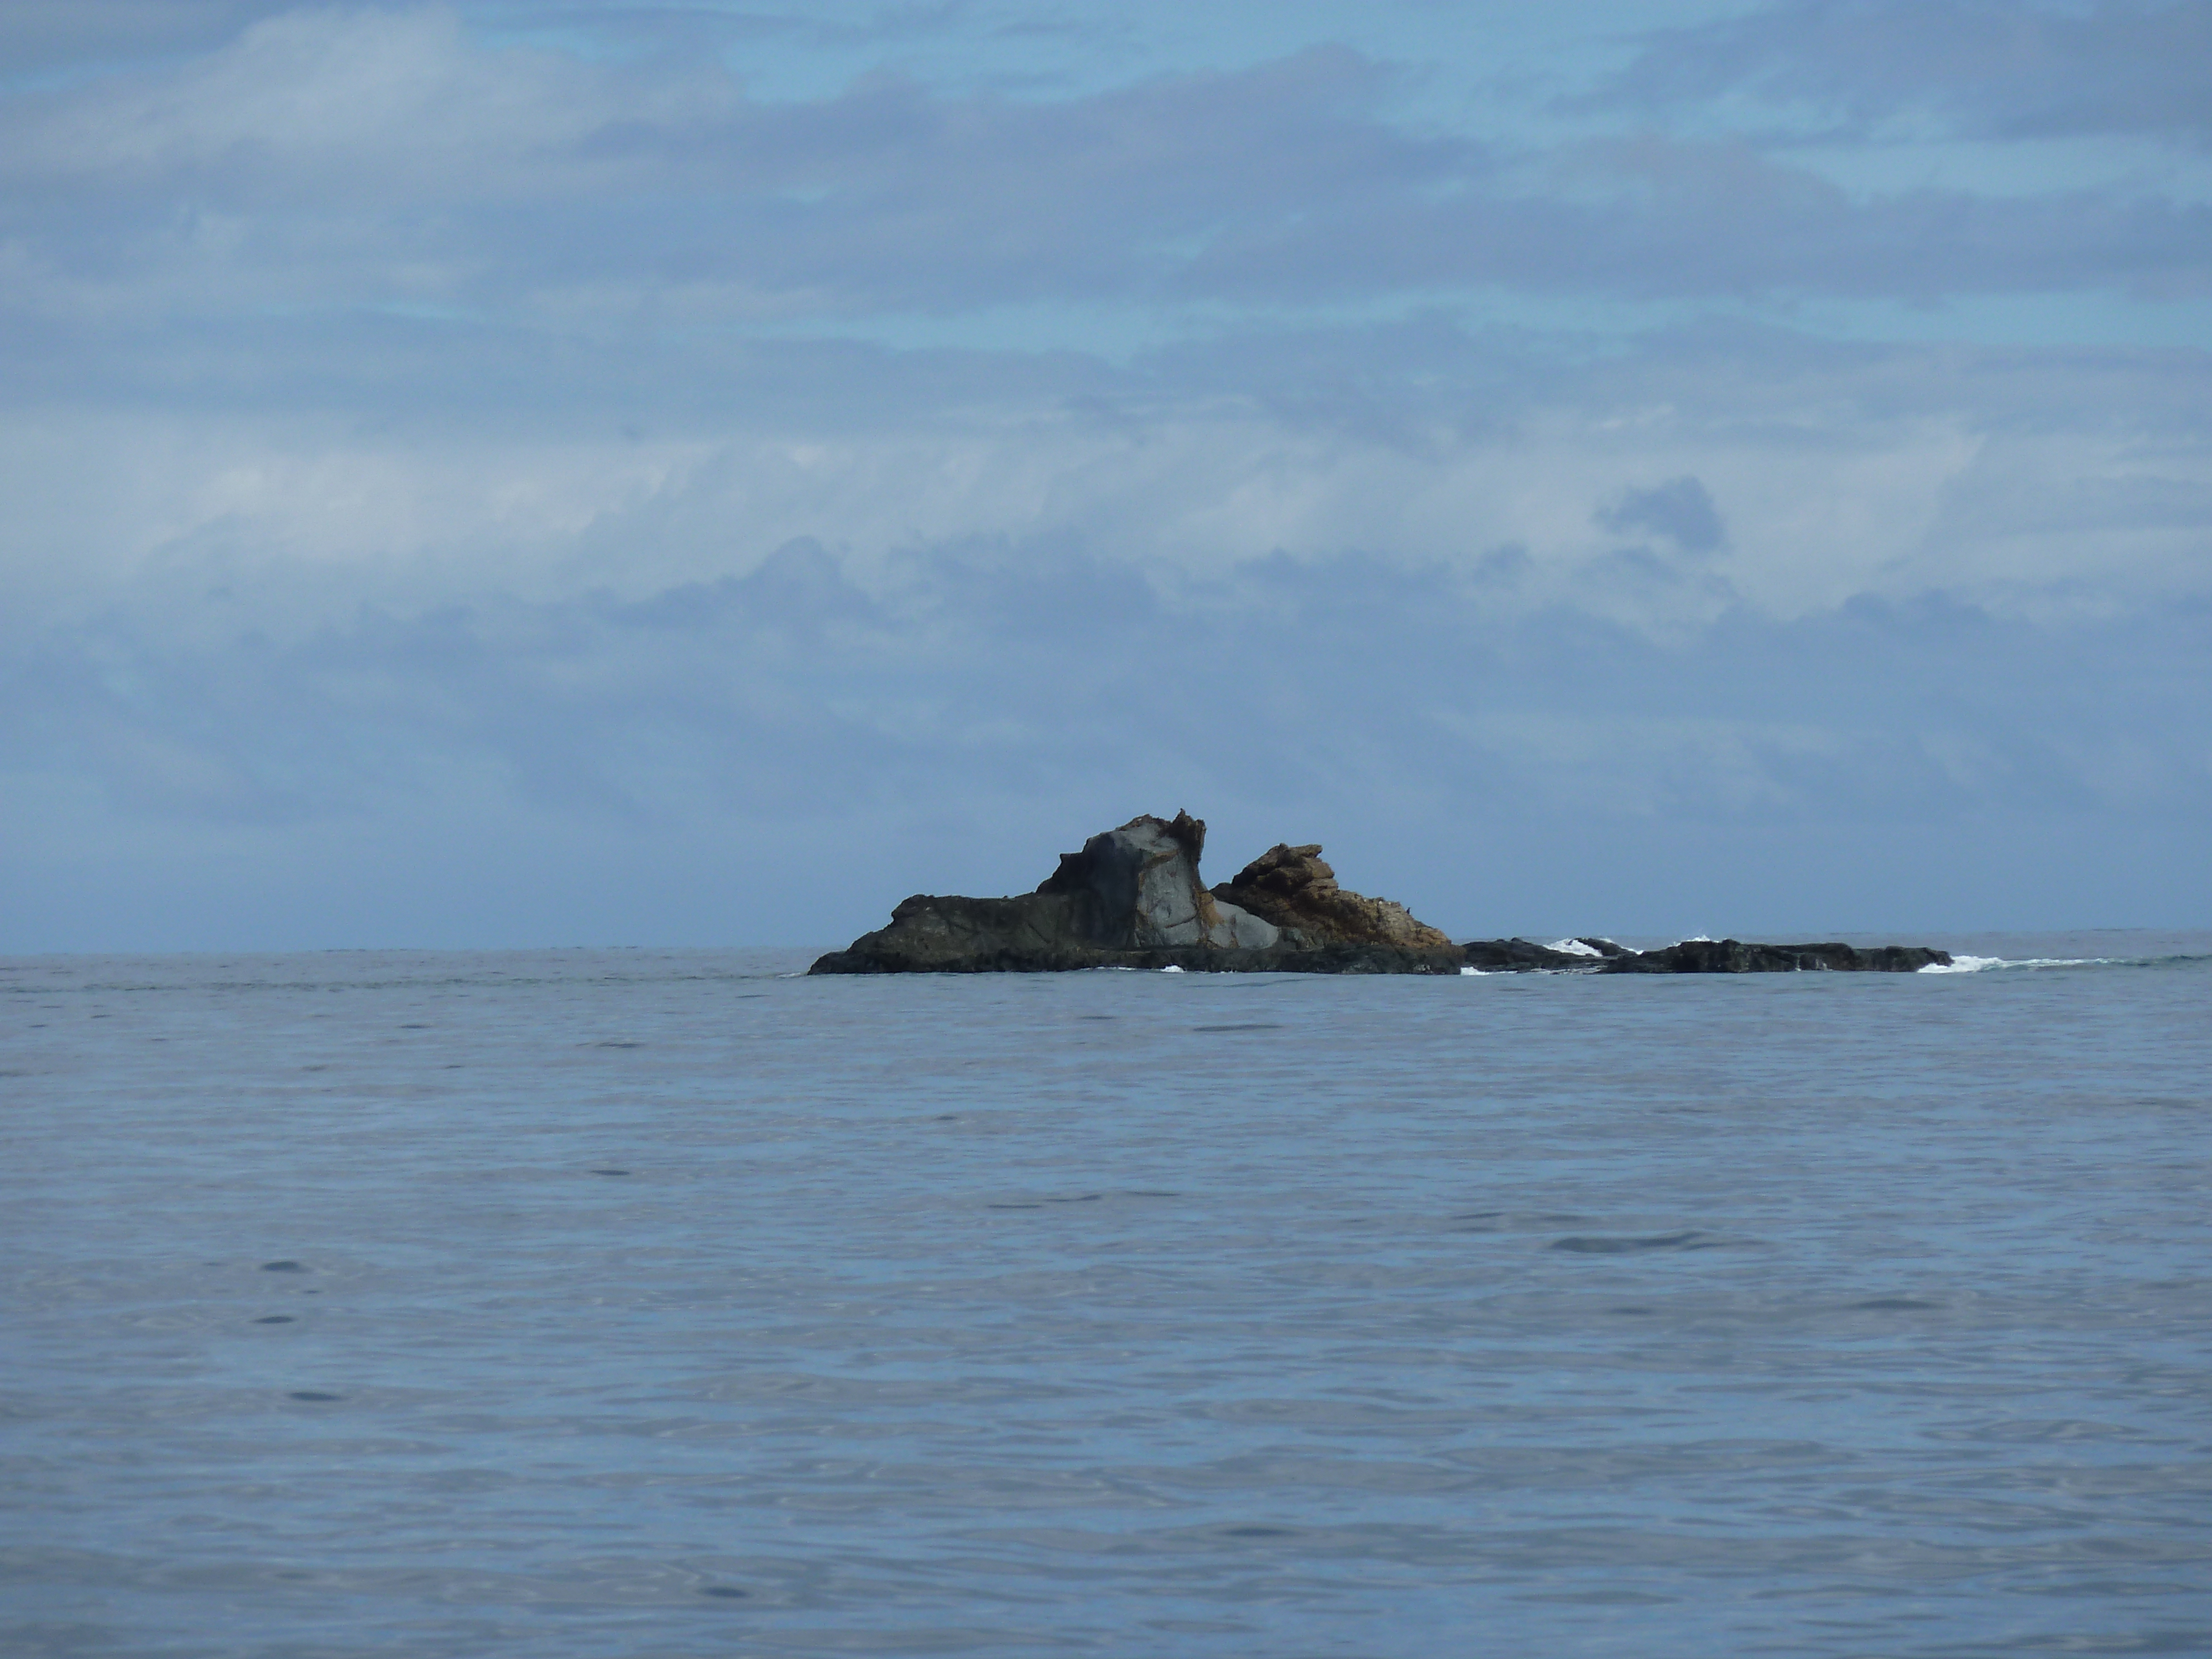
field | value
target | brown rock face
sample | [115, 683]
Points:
[1290, 887]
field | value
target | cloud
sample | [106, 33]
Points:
[326, 162]
[49, 37]
[1373, 702]
[1681, 509]
[1657, 217]
[484, 464]
[2006, 69]
[460, 477]
[390, 153]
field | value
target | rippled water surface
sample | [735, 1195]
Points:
[587, 1303]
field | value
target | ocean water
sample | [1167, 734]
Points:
[636, 1302]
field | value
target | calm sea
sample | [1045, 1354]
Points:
[637, 1302]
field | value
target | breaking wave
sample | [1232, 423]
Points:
[1965, 964]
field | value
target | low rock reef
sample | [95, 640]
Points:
[1133, 898]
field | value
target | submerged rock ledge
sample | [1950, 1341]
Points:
[1132, 898]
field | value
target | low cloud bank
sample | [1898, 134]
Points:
[780, 756]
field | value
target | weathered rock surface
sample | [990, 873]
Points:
[1729, 955]
[1133, 898]
[1518, 955]
[1291, 888]
[1137, 889]
[1700, 955]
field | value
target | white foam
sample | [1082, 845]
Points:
[1573, 947]
[1470, 973]
[1171, 968]
[1979, 964]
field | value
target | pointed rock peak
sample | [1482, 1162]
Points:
[1188, 833]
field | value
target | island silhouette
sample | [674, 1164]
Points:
[1133, 897]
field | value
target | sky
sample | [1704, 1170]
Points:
[516, 473]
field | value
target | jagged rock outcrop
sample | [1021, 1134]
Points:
[1137, 889]
[1291, 888]
[1132, 898]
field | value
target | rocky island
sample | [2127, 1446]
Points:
[1133, 898]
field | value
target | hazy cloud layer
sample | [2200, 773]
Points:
[1992, 68]
[502, 473]
[1877, 763]
[334, 158]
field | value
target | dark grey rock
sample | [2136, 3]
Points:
[1519, 956]
[1729, 955]
[1137, 889]
[1700, 955]
[1132, 898]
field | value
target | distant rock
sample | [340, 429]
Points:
[1291, 888]
[1697, 956]
[1133, 898]
[1729, 955]
[1518, 955]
